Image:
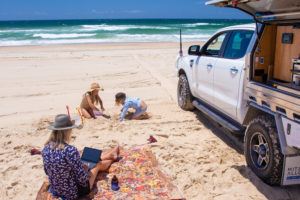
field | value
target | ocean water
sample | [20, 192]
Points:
[15, 33]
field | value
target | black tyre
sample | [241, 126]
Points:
[184, 95]
[262, 150]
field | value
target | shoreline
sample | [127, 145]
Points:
[103, 44]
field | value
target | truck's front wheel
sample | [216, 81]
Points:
[184, 95]
[262, 150]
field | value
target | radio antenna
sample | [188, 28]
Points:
[180, 51]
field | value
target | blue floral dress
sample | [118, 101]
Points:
[65, 171]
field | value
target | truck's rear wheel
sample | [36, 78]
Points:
[184, 95]
[262, 150]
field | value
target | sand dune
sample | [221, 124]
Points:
[38, 82]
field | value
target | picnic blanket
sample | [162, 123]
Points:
[139, 179]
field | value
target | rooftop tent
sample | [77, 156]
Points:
[264, 10]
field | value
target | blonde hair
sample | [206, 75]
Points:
[59, 138]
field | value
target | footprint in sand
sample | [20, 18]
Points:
[179, 135]
[197, 128]
[14, 184]
[13, 168]
[163, 135]
[167, 157]
[20, 147]
[36, 167]
[43, 124]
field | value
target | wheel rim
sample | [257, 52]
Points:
[260, 154]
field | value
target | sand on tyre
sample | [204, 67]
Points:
[262, 150]
[184, 95]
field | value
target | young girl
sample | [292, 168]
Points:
[68, 176]
[89, 102]
[137, 104]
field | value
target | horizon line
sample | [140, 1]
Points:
[69, 19]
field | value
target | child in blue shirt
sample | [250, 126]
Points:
[137, 104]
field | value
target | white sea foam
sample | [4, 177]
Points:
[47, 42]
[201, 24]
[16, 42]
[24, 30]
[195, 36]
[161, 37]
[105, 27]
[116, 38]
[57, 36]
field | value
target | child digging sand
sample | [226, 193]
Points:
[89, 103]
[137, 104]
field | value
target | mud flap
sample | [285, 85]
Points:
[291, 132]
[291, 170]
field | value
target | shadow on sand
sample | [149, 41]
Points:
[235, 141]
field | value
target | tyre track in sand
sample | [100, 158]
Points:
[165, 83]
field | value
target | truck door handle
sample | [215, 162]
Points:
[191, 63]
[234, 70]
[209, 66]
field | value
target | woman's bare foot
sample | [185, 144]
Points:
[112, 154]
[116, 153]
[115, 157]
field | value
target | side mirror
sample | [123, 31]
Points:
[195, 50]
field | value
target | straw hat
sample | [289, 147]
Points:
[62, 122]
[95, 86]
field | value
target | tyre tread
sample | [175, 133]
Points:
[269, 125]
[188, 104]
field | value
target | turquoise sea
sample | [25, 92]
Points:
[14, 33]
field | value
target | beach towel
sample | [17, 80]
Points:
[139, 178]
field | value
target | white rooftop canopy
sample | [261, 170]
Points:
[265, 10]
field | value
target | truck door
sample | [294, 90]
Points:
[228, 71]
[205, 67]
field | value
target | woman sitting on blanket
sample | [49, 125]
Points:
[137, 104]
[68, 176]
[89, 102]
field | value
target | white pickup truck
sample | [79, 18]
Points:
[247, 78]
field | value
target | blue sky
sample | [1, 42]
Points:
[119, 9]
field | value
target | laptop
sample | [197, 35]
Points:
[90, 157]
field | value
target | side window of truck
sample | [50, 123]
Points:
[238, 44]
[214, 47]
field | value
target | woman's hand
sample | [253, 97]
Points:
[85, 167]
[103, 109]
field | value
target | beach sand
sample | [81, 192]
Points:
[37, 82]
